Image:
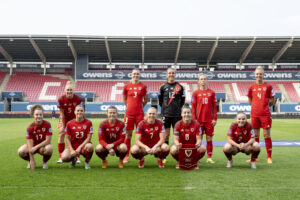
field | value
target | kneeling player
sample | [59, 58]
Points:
[149, 139]
[241, 138]
[39, 134]
[187, 131]
[78, 136]
[111, 138]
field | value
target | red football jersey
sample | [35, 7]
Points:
[187, 133]
[150, 132]
[241, 134]
[111, 134]
[78, 131]
[260, 95]
[68, 106]
[204, 105]
[38, 133]
[135, 94]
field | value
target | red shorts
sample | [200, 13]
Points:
[264, 122]
[207, 128]
[130, 120]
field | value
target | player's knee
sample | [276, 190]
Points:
[208, 138]
[23, 151]
[174, 150]
[89, 147]
[66, 155]
[48, 149]
[201, 149]
[135, 149]
[165, 147]
[122, 148]
[99, 148]
[256, 146]
[227, 148]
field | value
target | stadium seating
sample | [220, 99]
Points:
[2, 75]
[33, 86]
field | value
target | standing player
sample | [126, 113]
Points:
[241, 139]
[111, 138]
[39, 134]
[261, 97]
[204, 108]
[149, 139]
[78, 136]
[187, 131]
[171, 99]
[66, 105]
[135, 98]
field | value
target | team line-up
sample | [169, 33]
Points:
[152, 135]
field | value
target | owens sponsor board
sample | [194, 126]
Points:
[234, 108]
[185, 75]
[1, 107]
[25, 107]
[290, 108]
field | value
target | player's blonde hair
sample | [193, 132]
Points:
[70, 84]
[34, 108]
[186, 106]
[260, 68]
[241, 112]
[202, 74]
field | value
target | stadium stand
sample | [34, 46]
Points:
[37, 87]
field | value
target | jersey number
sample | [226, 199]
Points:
[187, 136]
[151, 135]
[39, 137]
[135, 94]
[79, 134]
[205, 100]
[69, 110]
[259, 95]
[171, 95]
[112, 135]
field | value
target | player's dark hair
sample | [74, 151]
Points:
[112, 107]
[35, 107]
[241, 112]
[80, 105]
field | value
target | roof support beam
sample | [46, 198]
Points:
[143, 51]
[72, 48]
[247, 51]
[212, 51]
[5, 54]
[37, 50]
[177, 51]
[107, 50]
[282, 51]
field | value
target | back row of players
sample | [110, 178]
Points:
[152, 135]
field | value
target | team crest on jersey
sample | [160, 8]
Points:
[117, 128]
[84, 126]
[264, 88]
[245, 132]
[43, 129]
[156, 128]
[188, 153]
[209, 94]
[140, 88]
[192, 129]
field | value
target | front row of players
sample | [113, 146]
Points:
[150, 137]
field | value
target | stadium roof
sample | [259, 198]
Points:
[202, 50]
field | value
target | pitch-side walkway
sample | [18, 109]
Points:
[275, 143]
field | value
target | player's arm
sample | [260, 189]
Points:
[125, 99]
[214, 104]
[44, 143]
[161, 96]
[100, 136]
[176, 139]
[198, 141]
[139, 143]
[160, 142]
[145, 100]
[272, 101]
[194, 106]
[87, 140]
[62, 117]
[182, 96]
[31, 158]
[232, 142]
[250, 142]
[122, 138]
[68, 139]
[250, 100]
[250, 96]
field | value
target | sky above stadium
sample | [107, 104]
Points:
[151, 17]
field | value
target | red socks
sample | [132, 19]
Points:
[176, 157]
[209, 148]
[102, 154]
[254, 155]
[200, 155]
[128, 144]
[88, 155]
[61, 148]
[46, 158]
[228, 155]
[268, 143]
[257, 139]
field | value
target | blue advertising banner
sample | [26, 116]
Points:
[290, 108]
[234, 108]
[220, 95]
[185, 75]
[12, 94]
[25, 106]
[85, 95]
[1, 107]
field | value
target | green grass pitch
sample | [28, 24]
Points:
[281, 180]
